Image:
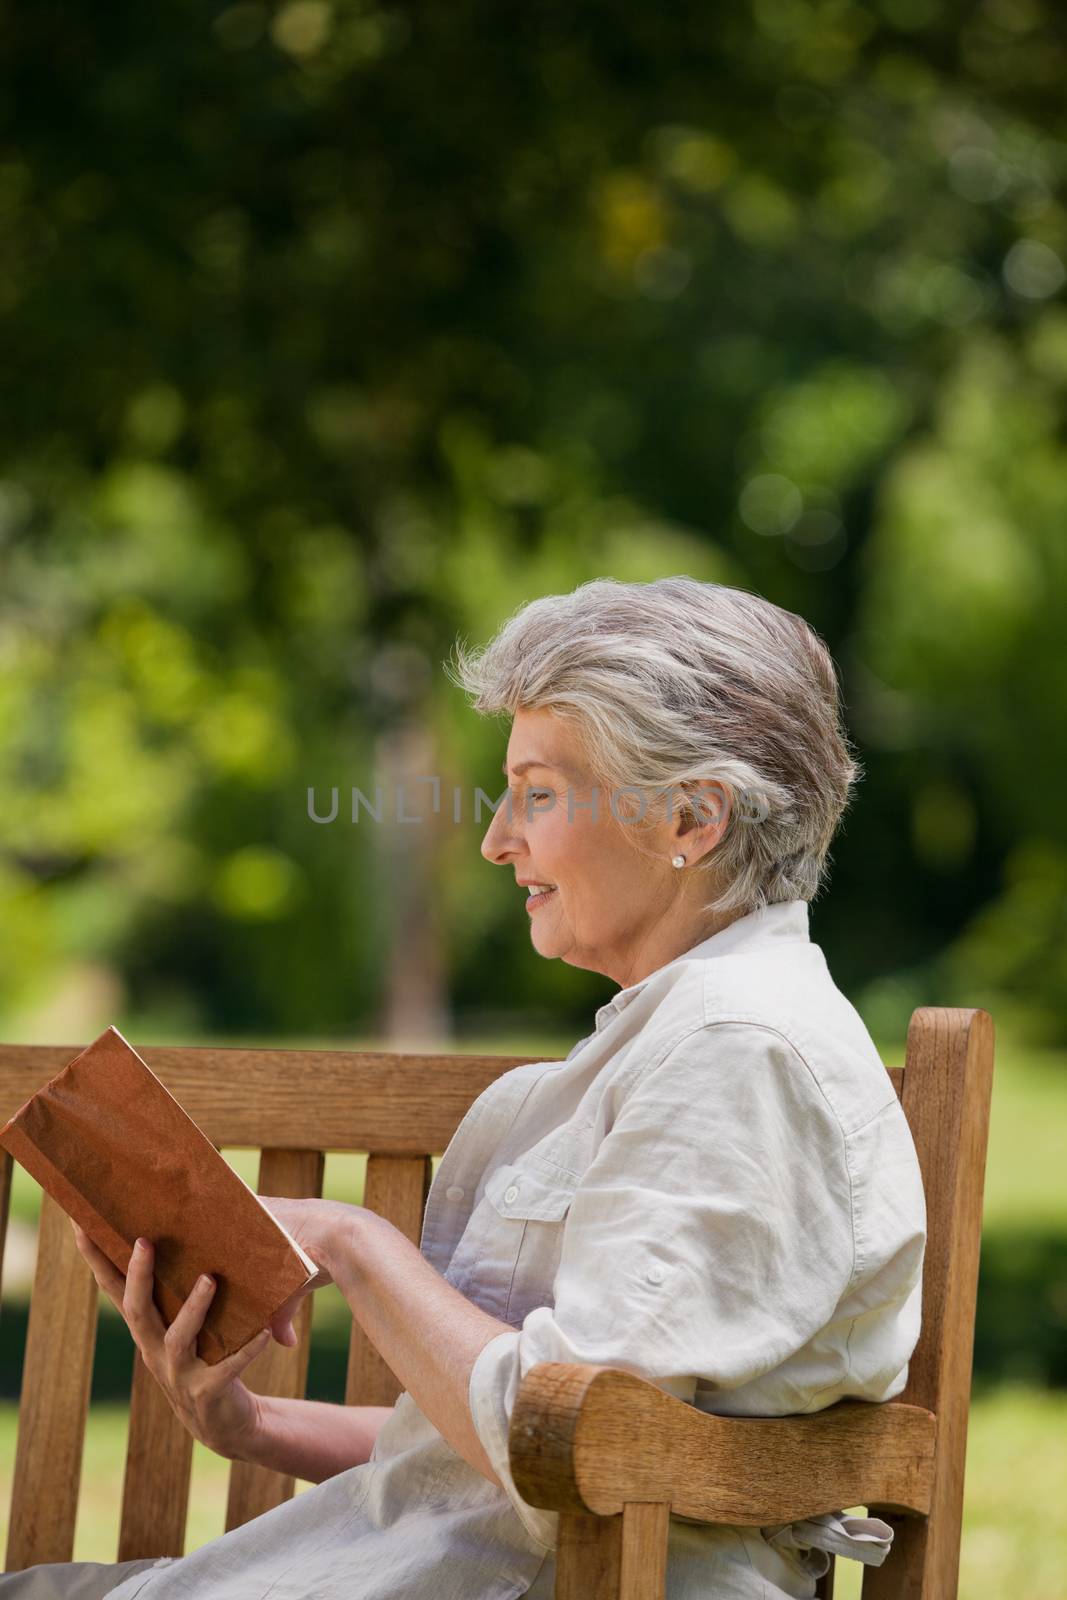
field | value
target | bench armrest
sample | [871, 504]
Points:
[587, 1439]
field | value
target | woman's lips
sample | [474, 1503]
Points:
[535, 900]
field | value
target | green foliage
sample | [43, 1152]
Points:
[335, 329]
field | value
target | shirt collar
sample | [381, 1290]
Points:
[787, 920]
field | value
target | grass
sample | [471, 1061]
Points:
[1014, 1536]
[1026, 1181]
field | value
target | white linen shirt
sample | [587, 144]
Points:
[716, 1190]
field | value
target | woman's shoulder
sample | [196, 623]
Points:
[775, 1006]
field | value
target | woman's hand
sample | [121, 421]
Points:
[211, 1401]
[318, 1226]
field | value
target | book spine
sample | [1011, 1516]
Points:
[37, 1164]
[210, 1347]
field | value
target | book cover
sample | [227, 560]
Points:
[113, 1147]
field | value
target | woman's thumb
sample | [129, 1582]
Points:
[238, 1360]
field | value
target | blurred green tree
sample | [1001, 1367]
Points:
[332, 329]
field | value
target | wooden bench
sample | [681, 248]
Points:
[574, 1427]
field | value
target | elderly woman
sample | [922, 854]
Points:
[716, 1189]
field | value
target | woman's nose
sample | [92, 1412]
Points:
[500, 839]
[493, 845]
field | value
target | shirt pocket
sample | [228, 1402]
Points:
[527, 1209]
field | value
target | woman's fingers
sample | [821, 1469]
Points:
[130, 1295]
[179, 1340]
[104, 1271]
[180, 1337]
[138, 1307]
[232, 1366]
[283, 1322]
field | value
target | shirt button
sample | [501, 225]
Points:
[454, 1192]
[511, 1194]
[655, 1274]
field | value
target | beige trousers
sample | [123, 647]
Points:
[69, 1580]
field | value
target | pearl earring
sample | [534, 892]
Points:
[677, 861]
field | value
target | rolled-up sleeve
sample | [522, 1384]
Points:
[711, 1236]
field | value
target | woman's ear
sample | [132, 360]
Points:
[704, 815]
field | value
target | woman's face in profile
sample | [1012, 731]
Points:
[606, 896]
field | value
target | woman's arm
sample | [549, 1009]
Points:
[428, 1333]
[312, 1439]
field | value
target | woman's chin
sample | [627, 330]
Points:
[545, 936]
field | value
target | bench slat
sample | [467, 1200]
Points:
[5, 1201]
[155, 1488]
[396, 1188]
[278, 1370]
[56, 1380]
[397, 1104]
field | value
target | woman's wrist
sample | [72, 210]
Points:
[310, 1439]
[266, 1438]
[238, 1442]
[347, 1242]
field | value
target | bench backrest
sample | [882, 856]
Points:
[295, 1106]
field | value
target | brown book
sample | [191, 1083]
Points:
[113, 1147]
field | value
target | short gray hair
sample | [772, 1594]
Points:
[676, 682]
